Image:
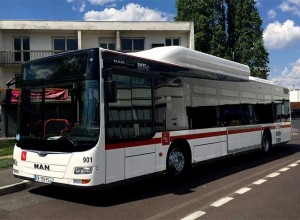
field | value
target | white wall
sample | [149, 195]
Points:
[8, 73]
[39, 40]
[295, 96]
[1, 40]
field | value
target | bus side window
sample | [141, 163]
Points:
[131, 115]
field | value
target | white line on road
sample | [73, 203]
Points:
[284, 169]
[242, 190]
[293, 165]
[273, 175]
[258, 182]
[221, 202]
[298, 161]
[194, 215]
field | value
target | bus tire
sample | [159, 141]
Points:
[178, 161]
[266, 141]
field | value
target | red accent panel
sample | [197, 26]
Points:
[165, 138]
[23, 155]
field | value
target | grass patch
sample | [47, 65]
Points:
[6, 163]
[6, 147]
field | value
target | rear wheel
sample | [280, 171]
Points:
[266, 142]
[177, 162]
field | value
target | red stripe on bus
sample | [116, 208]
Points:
[210, 134]
[246, 130]
[132, 144]
[286, 126]
[187, 137]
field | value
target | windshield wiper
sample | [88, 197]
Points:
[70, 140]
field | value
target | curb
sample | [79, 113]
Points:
[25, 184]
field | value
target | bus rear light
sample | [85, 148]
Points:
[85, 181]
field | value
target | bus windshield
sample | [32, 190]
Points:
[61, 115]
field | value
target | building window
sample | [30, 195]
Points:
[107, 43]
[135, 44]
[172, 42]
[21, 44]
[110, 46]
[63, 44]
[157, 45]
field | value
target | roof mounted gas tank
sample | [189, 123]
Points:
[196, 60]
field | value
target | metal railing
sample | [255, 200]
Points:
[17, 57]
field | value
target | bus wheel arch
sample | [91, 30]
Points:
[178, 158]
[266, 141]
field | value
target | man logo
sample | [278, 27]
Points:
[41, 167]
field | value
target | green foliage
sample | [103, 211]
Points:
[228, 28]
[6, 163]
[6, 151]
[6, 147]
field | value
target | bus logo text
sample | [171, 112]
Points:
[41, 167]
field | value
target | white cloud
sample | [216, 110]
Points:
[77, 5]
[279, 36]
[272, 14]
[130, 12]
[101, 2]
[292, 6]
[289, 77]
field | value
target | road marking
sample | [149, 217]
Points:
[273, 175]
[194, 215]
[298, 161]
[293, 165]
[258, 182]
[284, 169]
[242, 190]
[221, 202]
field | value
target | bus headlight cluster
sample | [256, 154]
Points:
[83, 170]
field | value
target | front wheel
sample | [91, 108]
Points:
[177, 162]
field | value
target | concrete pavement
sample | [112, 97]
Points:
[10, 184]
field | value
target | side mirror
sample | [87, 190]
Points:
[110, 88]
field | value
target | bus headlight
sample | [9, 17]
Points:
[83, 170]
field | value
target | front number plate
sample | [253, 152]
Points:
[43, 179]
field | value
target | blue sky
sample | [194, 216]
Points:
[281, 23]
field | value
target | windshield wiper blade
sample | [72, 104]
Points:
[70, 140]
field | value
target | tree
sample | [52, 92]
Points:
[245, 36]
[209, 24]
[228, 28]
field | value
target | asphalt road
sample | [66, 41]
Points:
[229, 189]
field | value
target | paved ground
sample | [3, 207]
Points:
[203, 191]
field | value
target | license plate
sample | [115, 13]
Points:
[43, 179]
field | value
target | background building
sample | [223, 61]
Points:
[22, 41]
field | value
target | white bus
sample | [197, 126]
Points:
[98, 117]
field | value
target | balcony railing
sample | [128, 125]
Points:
[17, 57]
